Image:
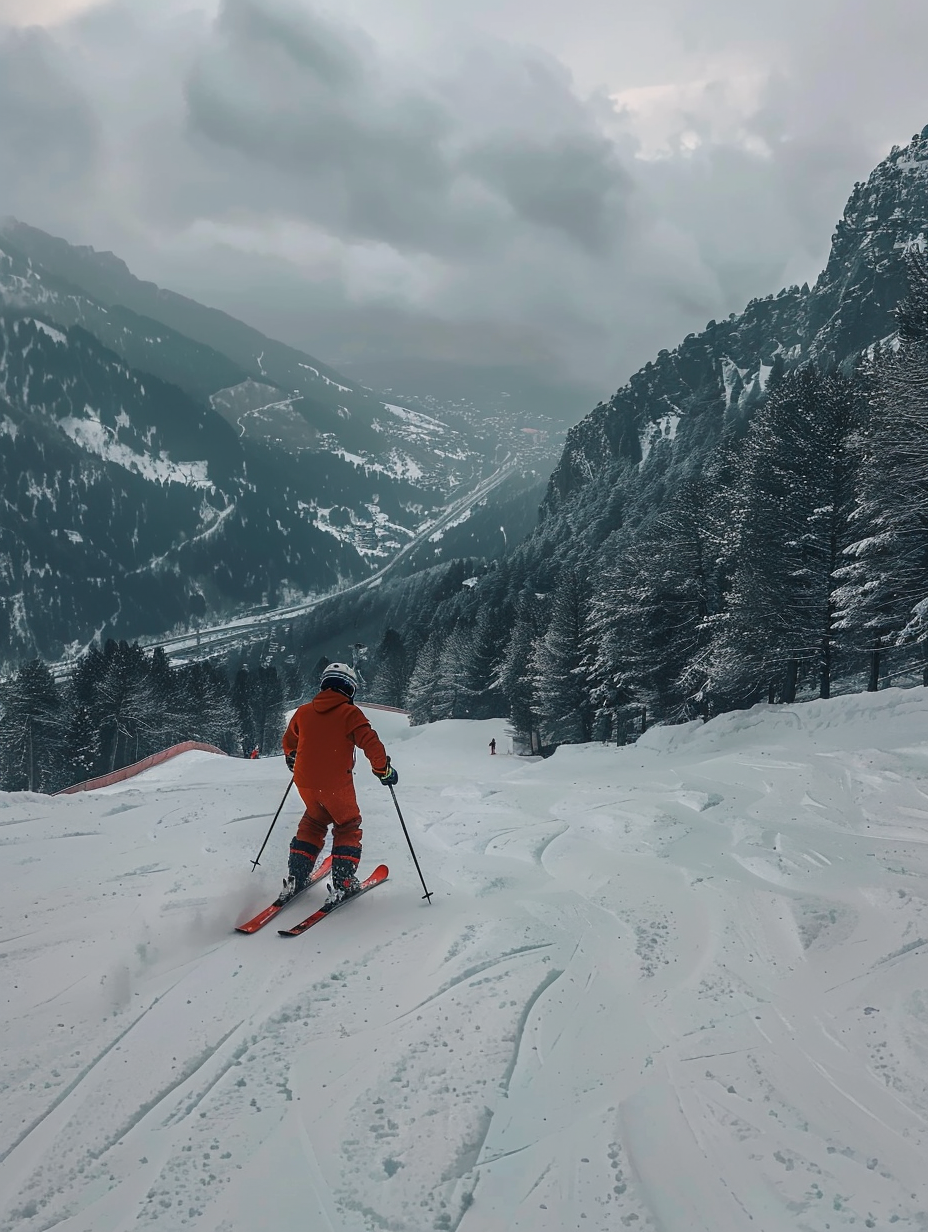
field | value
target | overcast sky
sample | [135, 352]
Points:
[564, 184]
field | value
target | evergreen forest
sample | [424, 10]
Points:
[120, 705]
[775, 550]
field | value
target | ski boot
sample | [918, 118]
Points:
[344, 878]
[299, 870]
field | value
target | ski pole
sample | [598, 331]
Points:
[428, 893]
[256, 861]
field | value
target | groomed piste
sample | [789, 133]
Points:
[681, 985]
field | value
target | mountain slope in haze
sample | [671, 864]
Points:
[689, 391]
[675, 986]
[151, 479]
[129, 507]
[208, 353]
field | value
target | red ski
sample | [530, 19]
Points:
[265, 917]
[379, 875]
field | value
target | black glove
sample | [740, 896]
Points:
[291, 760]
[388, 776]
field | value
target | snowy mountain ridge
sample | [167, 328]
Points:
[211, 356]
[725, 366]
[677, 986]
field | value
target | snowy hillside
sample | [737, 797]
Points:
[208, 471]
[680, 985]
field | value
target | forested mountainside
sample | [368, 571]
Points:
[744, 521]
[151, 478]
[709, 375]
[268, 391]
[78, 285]
[128, 505]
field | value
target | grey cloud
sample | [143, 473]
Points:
[428, 170]
[48, 131]
[475, 198]
[572, 183]
[287, 90]
[301, 36]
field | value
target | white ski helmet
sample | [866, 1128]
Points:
[341, 677]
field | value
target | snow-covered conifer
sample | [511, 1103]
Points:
[391, 676]
[31, 730]
[562, 693]
[420, 692]
[514, 679]
[885, 574]
[791, 512]
[648, 618]
[125, 707]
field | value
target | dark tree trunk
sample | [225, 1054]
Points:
[873, 680]
[790, 680]
[31, 754]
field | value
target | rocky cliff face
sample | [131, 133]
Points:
[709, 375]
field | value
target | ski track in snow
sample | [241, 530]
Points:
[681, 986]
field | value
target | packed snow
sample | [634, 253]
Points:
[681, 985]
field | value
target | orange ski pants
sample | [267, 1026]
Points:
[338, 809]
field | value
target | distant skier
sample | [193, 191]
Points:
[493, 747]
[254, 754]
[320, 746]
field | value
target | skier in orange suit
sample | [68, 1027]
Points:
[320, 746]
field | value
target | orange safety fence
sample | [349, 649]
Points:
[128, 772]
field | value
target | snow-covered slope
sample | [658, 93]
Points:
[681, 985]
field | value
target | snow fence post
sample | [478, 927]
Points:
[428, 893]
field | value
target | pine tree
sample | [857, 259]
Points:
[209, 715]
[450, 696]
[391, 670]
[294, 682]
[168, 718]
[485, 652]
[562, 695]
[81, 747]
[885, 574]
[648, 624]
[268, 710]
[791, 513]
[420, 692]
[515, 680]
[243, 704]
[125, 705]
[84, 751]
[31, 730]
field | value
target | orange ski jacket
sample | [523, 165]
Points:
[325, 733]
